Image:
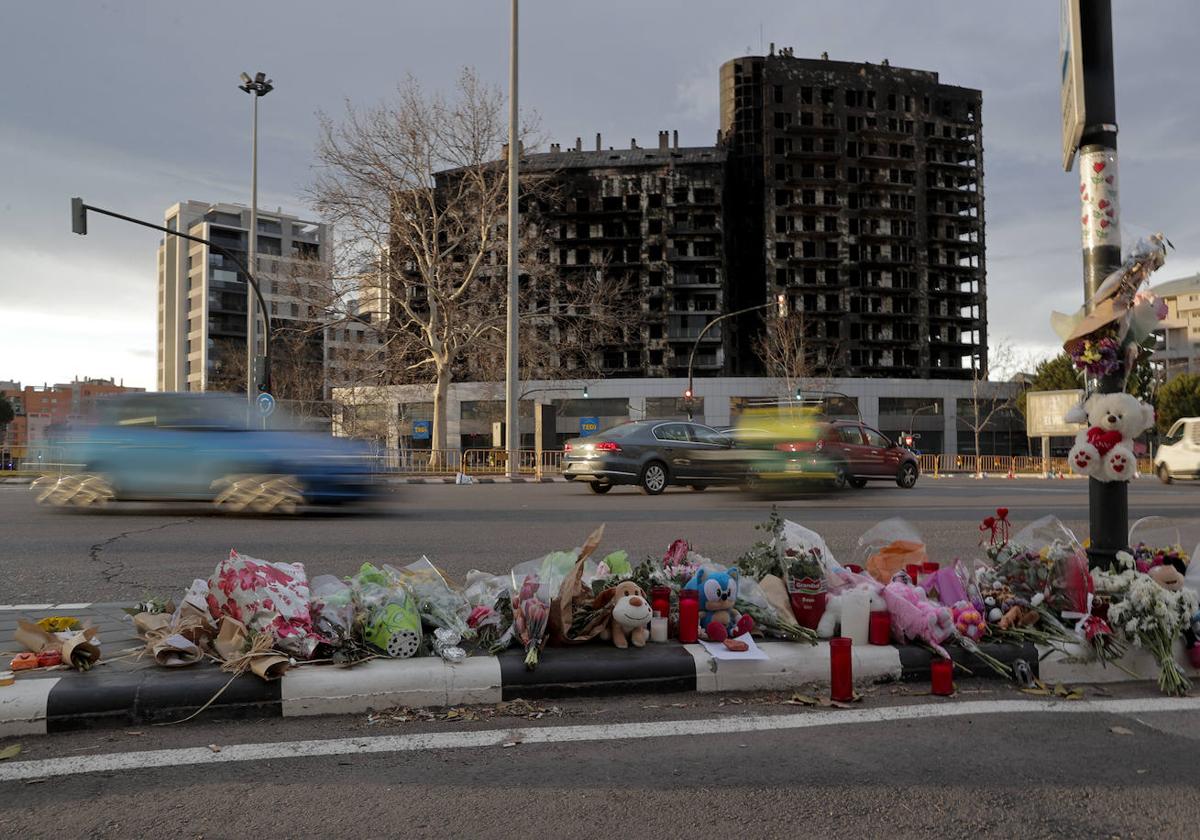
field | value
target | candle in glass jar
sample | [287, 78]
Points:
[841, 670]
[881, 628]
[689, 616]
[660, 600]
[658, 628]
[941, 674]
[856, 615]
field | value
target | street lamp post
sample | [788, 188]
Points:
[780, 302]
[912, 417]
[257, 87]
[511, 401]
[79, 212]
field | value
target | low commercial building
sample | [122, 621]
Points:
[43, 412]
[942, 413]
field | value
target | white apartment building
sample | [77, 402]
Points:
[202, 294]
[1179, 335]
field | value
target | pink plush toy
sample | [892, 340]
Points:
[968, 621]
[914, 616]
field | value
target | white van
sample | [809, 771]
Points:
[1178, 454]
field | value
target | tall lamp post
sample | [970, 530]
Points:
[512, 414]
[780, 302]
[257, 87]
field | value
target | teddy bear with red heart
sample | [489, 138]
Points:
[1104, 450]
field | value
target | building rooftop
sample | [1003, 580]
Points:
[571, 159]
[1179, 286]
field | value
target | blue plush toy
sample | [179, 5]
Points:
[718, 594]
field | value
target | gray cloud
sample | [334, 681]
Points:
[134, 106]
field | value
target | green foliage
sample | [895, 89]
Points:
[765, 556]
[6, 412]
[1178, 398]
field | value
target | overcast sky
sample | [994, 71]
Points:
[134, 106]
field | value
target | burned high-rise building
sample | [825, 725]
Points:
[857, 190]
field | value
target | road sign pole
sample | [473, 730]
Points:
[1108, 501]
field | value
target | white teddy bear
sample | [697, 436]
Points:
[1104, 449]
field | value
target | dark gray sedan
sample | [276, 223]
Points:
[653, 454]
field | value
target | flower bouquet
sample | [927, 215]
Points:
[531, 615]
[1151, 617]
[491, 610]
[440, 606]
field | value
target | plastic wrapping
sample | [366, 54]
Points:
[889, 547]
[331, 604]
[533, 586]
[1044, 563]
[390, 619]
[1157, 541]
[438, 604]
[446, 644]
[266, 598]
[805, 560]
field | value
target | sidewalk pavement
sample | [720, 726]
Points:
[124, 689]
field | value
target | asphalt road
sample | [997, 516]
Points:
[585, 770]
[127, 552]
[1108, 772]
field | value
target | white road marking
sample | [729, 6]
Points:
[150, 759]
[41, 607]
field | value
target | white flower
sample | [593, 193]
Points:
[1037, 599]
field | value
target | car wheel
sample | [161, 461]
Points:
[907, 477]
[841, 477]
[258, 494]
[654, 478]
[699, 488]
[858, 483]
[1164, 474]
[599, 487]
[82, 490]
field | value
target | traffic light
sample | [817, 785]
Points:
[781, 304]
[799, 393]
[687, 394]
[585, 392]
[78, 217]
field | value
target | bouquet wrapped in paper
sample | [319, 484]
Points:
[266, 598]
[1043, 564]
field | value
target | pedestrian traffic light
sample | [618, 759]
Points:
[78, 217]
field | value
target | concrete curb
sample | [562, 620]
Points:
[66, 701]
[61, 702]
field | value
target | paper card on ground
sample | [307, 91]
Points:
[719, 651]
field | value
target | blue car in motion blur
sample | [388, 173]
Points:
[208, 447]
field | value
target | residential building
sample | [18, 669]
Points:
[652, 221]
[43, 413]
[857, 190]
[1178, 349]
[202, 294]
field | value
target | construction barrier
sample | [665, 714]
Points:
[1003, 465]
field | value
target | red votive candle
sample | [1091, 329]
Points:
[689, 616]
[660, 600]
[841, 670]
[929, 567]
[914, 572]
[854, 567]
[941, 674]
[881, 629]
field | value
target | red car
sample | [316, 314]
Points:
[857, 454]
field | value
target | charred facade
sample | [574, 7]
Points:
[652, 219]
[857, 190]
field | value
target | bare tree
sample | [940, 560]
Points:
[790, 353]
[416, 190]
[985, 405]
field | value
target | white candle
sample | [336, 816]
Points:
[658, 629]
[856, 616]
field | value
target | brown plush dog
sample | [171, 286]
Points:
[630, 616]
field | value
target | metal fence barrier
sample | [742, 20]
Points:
[1003, 465]
[469, 461]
